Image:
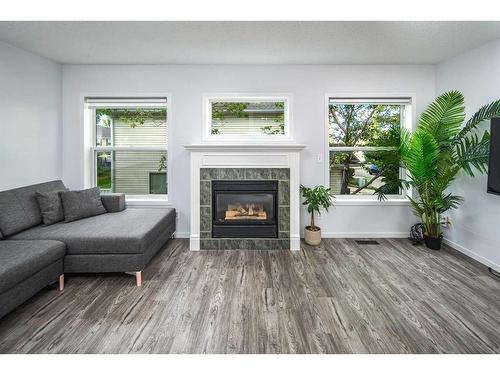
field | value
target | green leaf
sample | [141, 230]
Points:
[421, 156]
[486, 112]
[473, 152]
[444, 117]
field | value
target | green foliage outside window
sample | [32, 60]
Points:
[131, 117]
[162, 165]
[361, 125]
[222, 110]
[280, 121]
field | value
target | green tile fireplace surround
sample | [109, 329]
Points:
[207, 175]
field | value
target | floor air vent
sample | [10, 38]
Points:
[367, 242]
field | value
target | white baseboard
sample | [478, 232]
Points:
[364, 234]
[295, 243]
[181, 234]
[194, 242]
[472, 254]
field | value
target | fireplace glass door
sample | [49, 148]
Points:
[243, 209]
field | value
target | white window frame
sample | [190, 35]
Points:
[368, 98]
[208, 137]
[125, 101]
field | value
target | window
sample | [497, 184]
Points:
[363, 136]
[157, 182]
[234, 117]
[129, 147]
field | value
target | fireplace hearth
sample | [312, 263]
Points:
[244, 209]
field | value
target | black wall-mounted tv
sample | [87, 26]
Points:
[494, 164]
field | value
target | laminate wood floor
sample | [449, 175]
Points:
[341, 297]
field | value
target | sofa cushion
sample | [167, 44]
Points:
[20, 260]
[130, 231]
[113, 202]
[19, 208]
[50, 206]
[80, 204]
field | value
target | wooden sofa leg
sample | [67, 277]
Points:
[61, 282]
[138, 278]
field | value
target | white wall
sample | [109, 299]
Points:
[30, 127]
[187, 84]
[476, 223]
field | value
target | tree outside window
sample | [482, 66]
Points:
[362, 141]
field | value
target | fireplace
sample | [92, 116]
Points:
[244, 209]
[243, 162]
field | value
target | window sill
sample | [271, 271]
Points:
[371, 202]
[147, 202]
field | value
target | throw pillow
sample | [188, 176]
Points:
[80, 204]
[50, 206]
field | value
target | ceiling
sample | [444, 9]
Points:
[248, 42]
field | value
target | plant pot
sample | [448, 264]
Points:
[312, 237]
[433, 243]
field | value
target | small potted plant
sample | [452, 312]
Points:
[316, 199]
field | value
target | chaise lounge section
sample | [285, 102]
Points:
[26, 267]
[122, 241]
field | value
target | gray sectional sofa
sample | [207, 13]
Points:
[33, 255]
[26, 267]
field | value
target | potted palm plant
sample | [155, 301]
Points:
[433, 155]
[316, 199]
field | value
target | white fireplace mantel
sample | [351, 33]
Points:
[245, 156]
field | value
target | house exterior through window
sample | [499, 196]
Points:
[129, 147]
[363, 138]
[243, 117]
